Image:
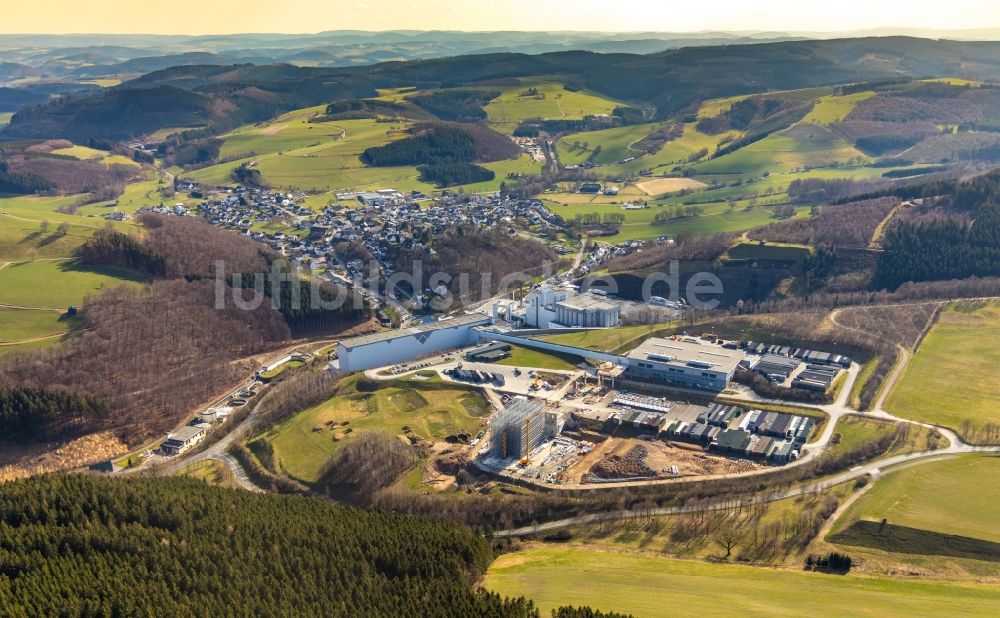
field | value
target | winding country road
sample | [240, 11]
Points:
[217, 450]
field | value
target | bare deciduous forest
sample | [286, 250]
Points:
[685, 248]
[152, 355]
[843, 225]
[477, 261]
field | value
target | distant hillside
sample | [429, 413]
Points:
[153, 63]
[670, 81]
[114, 115]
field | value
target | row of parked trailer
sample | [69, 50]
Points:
[773, 436]
[816, 377]
[641, 402]
[803, 354]
[476, 376]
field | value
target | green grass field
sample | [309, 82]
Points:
[833, 108]
[539, 359]
[604, 339]
[767, 188]
[57, 284]
[641, 225]
[614, 144]
[652, 587]
[282, 368]
[554, 102]
[855, 431]
[22, 219]
[768, 252]
[212, 472]
[952, 496]
[305, 443]
[292, 152]
[691, 142]
[18, 325]
[800, 147]
[952, 379]
[90, 154]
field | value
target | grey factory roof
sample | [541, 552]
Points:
[185, 433]
[388, 335]
[587, 301]
[657, 349]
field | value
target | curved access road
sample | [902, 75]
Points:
[874, 469]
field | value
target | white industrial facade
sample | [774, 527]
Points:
[684, 361]
[548, 306]
[397, 346]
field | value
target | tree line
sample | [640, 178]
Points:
[22, 183]
[677, 212]
[456, 104]
[452, 173]
[27, 412]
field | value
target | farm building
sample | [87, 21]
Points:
[688, 362]
[406, 344]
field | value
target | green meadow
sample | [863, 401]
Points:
[658, 587]
[614, 144]
[305, 443]
[800, 147]
[641, 225]
[952, 379]
[56, 284]
[554, 101]
[539, 359]
[23, 218]
[17, 325]
[603, 339]
[948, 496]
[292, 152]
[834, 108]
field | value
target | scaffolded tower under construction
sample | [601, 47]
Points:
[518, 429]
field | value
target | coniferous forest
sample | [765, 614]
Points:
[75, 545]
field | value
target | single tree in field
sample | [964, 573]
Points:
[729, 537]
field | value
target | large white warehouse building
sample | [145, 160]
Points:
[684, 361]
[406, 344]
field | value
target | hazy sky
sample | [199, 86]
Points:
[295, 16]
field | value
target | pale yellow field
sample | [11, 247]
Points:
[659, 186]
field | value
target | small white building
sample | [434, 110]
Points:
[182, 439]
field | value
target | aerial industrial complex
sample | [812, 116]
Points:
[650, 411]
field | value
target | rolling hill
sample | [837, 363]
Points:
[670, 81]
